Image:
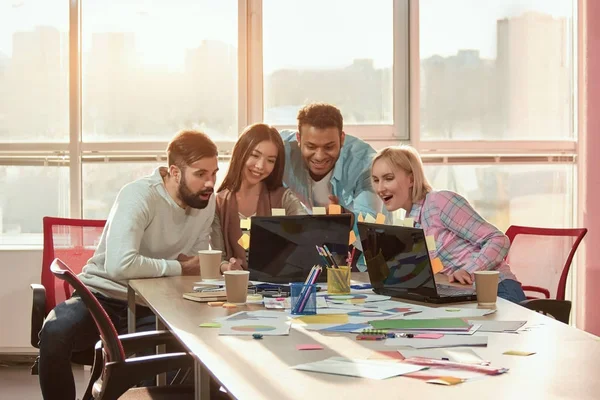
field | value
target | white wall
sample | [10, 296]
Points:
[18, 269]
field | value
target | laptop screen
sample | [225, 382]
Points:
[397, 258]
[282, 249]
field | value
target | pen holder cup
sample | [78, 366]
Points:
[338, 280]
[303, 299]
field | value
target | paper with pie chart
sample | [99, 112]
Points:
[266, 327]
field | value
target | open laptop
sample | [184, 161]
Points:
[399, 266]
[282, 249]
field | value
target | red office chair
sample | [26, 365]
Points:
[543, 256]
[113, 373]
[74, 240]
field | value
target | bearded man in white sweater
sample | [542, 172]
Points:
[155, 228]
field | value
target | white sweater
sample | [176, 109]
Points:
[145, 232]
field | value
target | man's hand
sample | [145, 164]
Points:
[190, 265]
[233, 265]
[461, 276]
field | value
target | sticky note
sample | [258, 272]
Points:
[216, 303]
[519, 353]
[361, 218]
[430, 240]
[380, 219]
[335, 209]
[278, 212]
[210, 325]
[446, 380]
[245, 223]
[319, 211]
[229, 305]
[352, 238]
[323, 319]
[369, 218]
[309, 347]
[429, 336]
[436, 265]
[410, 222]
[244, 241]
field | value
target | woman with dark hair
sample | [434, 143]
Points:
[253, 186]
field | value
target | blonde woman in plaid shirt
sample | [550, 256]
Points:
[465, 241]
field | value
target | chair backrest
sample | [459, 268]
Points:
[542, 256]
[110, 339]
[72, 240]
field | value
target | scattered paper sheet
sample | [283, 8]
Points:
[278, 212]
[346, 327]
[353, 298]
[380, 219]
[446, 380]
[335, 209]
[245, 223]
[409, 222]
[372, 369]
[284, 303]
[352, 238]
[429, 335]
[519, 353]
[430, 240]
[210, 325]
[319, 211]
[466, 356]
[361, 218]
[422, 324]
[386, 355]
[321, 319]
[449, 312]
[499, 326]
[446, 341]
[244, 241]
[309, 347]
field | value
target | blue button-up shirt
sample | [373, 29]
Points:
[350, 181]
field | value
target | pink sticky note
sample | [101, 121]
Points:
[429, 336]
[309, 347]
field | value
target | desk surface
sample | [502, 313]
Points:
[566, 363]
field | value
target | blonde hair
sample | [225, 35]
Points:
[407, 159]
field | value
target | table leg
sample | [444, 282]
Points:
[161, 349]
[130, 310]
[201, 382]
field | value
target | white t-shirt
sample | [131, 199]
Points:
[321, 190]
[144, 234]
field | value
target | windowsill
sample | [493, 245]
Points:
[17, 247]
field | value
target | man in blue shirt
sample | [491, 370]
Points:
[325, 166]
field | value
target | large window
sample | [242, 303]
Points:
[496, 69]
[151, 68]
[488, 88]
[34, 71]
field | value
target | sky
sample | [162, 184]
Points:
[296, 33]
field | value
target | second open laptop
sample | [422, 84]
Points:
[398, 265]
[282, 248]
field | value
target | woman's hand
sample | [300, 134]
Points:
[461, 276]
[233, 265]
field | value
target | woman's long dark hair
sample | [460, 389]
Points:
[248, 140]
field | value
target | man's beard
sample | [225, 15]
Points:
[192, 199]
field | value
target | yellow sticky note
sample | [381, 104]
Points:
[244, 241]
[361, 218]
[410, 222]
[210, 325]
[319, 211]
[430, 240]
[446, 380]
[335, 209]
[278, 212]
[380, 219]
[323, 319]
[369, 218]
[245, 223]
[352, 237]
[518, 353]
[437, 265]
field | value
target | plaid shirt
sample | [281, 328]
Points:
[463, 238]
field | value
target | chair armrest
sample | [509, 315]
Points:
[538, 289]
[38, 312]
[120, 376]
[136, 342]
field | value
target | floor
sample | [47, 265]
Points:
[17, 382]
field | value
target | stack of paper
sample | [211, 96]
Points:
[443, 324]
[445, 341]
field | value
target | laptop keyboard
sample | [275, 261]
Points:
[451, 291]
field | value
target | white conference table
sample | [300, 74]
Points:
[566, 364]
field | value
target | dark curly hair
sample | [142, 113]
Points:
[321, 116]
